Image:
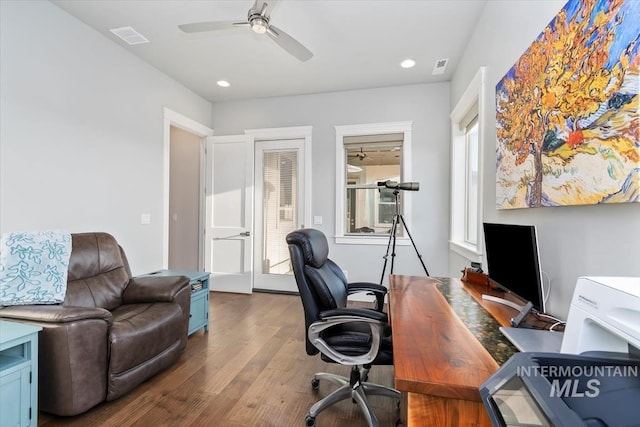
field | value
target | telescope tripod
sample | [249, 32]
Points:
[398, 218]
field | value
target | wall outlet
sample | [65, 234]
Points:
[145, 219]
[317, 220]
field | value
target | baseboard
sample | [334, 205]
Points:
[273, 291]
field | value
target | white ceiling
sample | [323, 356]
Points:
[356, 44]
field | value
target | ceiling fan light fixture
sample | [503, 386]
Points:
[259, 25]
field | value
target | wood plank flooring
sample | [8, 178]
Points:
[250, 369]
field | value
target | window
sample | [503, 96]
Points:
[279, 208]
[366, 156]
[466, 187]
[471, 187]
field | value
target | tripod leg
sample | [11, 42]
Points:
[393, 237]
[392, 233]
[414, 247]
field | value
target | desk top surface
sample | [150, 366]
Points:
[480, 322]
[434, 352]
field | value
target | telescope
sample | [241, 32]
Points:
[394, 185]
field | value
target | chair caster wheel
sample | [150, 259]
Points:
[309, 421]
[315, 383]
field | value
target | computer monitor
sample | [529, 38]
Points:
[513, 261]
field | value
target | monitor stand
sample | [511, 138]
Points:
[524, 310]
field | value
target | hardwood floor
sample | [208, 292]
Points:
[251, 369]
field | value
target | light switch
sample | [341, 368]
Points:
[145, 219]
[317, 220]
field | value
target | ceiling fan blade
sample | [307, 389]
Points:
[289, 44]
[199, 27]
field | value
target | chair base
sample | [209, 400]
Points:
[350, 388]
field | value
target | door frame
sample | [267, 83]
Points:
[297, 132]
[173, 118]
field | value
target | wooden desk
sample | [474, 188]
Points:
[438, 362]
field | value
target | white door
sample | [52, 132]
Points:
[279, 209]
[229, 209]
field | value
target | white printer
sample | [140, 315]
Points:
[595, 379]
[604, 316]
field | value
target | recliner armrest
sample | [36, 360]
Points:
[153, 289]
[55, 313]
[372, 289]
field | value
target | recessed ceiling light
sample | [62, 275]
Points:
[407, 63]
[223, 83]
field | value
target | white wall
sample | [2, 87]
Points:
[81, 131]
[573, 240]
[426, 105]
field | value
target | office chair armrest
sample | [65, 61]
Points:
[331, 318]
[354, 312]
[371, 289]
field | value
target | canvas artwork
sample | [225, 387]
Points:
[567, 111]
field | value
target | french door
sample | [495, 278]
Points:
[229, 212]
[279, 209]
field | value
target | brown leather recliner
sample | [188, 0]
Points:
[111, 333]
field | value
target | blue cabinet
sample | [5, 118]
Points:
[18, 374]
[199, 282]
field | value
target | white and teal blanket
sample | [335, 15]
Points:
[33, 267]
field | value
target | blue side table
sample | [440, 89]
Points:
[18, 374]
[199, 282]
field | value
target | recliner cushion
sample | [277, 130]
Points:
[142, 331]
[98, 271]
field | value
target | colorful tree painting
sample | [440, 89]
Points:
[567, 111]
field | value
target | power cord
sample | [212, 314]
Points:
[557, 324]
[548, 316]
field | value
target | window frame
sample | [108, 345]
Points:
[472, 98]
[343, 131]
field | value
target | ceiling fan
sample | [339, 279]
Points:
[258, 19]
[359, 155]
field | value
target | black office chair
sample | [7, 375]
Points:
[357, 337]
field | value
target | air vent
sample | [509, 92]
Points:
[129, 35]
[441, 65]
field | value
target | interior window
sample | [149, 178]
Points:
[371, 159]
[367, 156]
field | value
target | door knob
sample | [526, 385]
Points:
[246, 234]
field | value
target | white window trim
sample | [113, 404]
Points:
[475, 93]
[406, 129]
